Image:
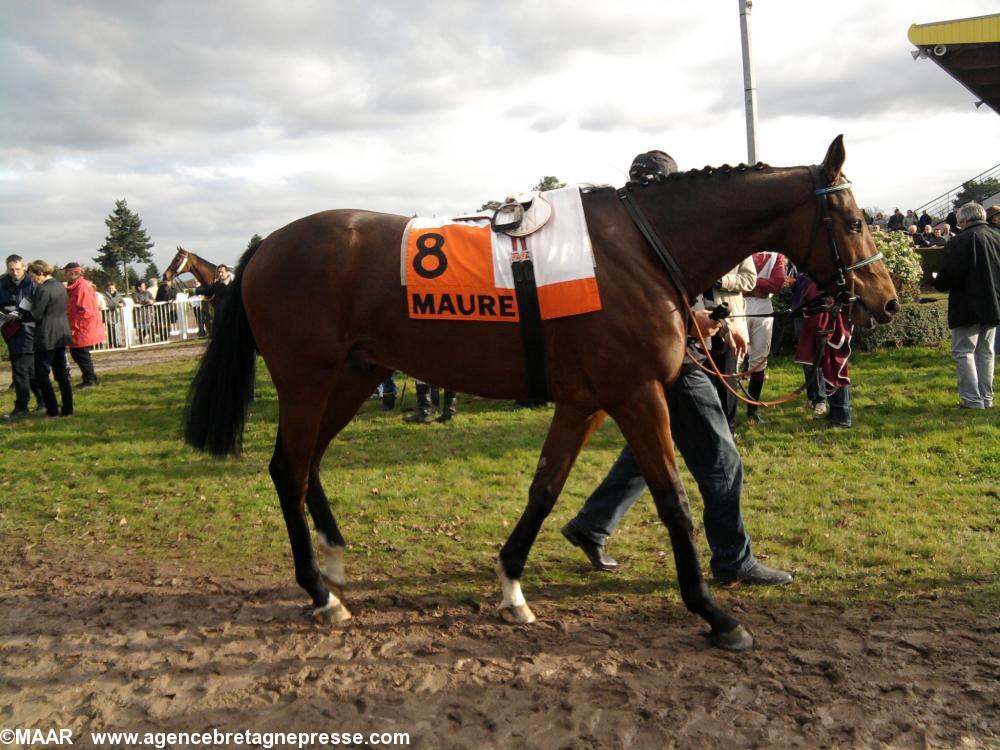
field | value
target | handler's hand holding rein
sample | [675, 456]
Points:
[703, 325]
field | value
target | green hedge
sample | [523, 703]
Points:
[916, 324]
[931, 259]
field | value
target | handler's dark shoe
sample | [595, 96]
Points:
[759, 575]
[594, 552]
[16, 414]
[421, 415]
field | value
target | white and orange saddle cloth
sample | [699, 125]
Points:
[461, 269]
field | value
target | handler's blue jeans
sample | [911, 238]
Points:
[702, 435]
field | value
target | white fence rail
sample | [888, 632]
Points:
[138, 326]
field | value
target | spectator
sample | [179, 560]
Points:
[916, 238]
[15, 291]
[115, 302]
[52, 336]
[218, 290]
[771, 279]
[925, 220]
[140, 312]
[387, 393]
[946, 233]
[141, 295]
[729, 290]
[928, 235]
[427, 399]
[699, 429]
[911, 218]
[153, 287]
[165, 292]
[823, 351]
[880, 221]
[937, 238]
[970, 274]
[952, 221]
[84, 321]
[895, 222]
[993, 215]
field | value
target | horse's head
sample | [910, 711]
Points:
[176, 265]
[841, 256]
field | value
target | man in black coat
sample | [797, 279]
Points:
[15, 287]
[971, 275]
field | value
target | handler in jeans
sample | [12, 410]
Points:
[701, 432]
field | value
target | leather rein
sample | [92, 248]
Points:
[844, 297]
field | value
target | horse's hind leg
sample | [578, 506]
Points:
[568, 433]
[645, 422]
[350, 390]
[289, 469]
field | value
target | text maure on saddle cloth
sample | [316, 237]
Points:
[461, 270]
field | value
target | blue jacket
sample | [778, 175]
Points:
[11, 294]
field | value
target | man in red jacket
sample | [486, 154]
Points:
[84, 321]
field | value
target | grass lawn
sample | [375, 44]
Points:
[904, 505]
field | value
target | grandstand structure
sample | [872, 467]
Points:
[967, 49]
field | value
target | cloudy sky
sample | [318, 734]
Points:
[217, 120]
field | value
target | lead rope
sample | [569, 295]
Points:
[723, 378]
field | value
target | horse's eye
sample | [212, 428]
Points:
[854, 226]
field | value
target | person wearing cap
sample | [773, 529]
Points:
[84, 315]
[970, 274]
[701, 432]
[993, 215]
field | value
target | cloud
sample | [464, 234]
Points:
[217, 120]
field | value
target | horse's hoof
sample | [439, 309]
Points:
[518, 614]
[332, 613]
[737, 639]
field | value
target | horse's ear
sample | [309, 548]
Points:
[833, 162]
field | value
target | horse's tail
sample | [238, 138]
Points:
[223, 386]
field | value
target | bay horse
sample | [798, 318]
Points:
[186, 262]
[321, 300]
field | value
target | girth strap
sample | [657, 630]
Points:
[532, 337]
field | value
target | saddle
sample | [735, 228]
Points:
[521, 215]
[518, 216]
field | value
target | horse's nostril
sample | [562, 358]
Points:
[892, 306]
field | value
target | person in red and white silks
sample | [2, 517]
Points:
[771, 278]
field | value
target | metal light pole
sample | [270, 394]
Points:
[749, 82]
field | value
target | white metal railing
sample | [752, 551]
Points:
[137, 326]
[938, 208]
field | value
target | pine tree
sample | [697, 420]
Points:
[126, 242]
[151, 271]
[254, 242]
[549, 182]
[977, 191]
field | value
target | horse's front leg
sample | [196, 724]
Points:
[645, 422]
[568, 433]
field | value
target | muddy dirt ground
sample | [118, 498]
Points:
[94, 643]
[120, 644]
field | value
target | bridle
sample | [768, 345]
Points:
[185, 257]
[823, 217]
[843, 297]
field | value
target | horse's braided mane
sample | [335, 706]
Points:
[707, 171]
